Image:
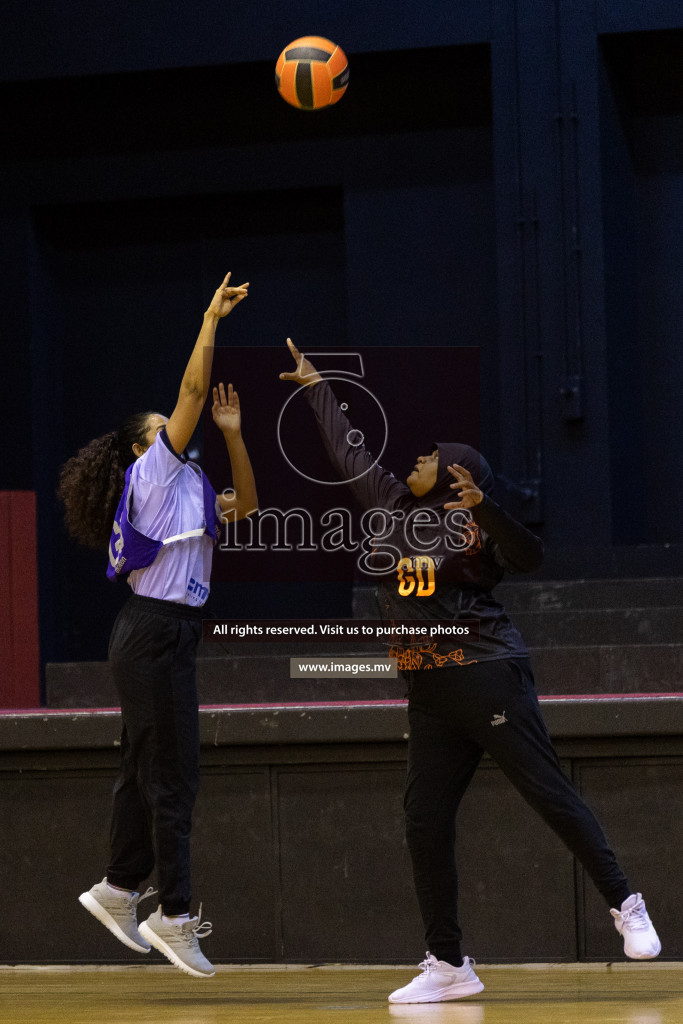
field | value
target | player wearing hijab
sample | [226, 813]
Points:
[442, 553]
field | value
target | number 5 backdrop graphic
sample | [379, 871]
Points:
[398, 402]
[368, 420]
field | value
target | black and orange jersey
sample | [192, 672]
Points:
[430, 563]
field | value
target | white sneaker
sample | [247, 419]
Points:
[641, 941]
[438, 982]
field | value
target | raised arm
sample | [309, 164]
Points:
[227, 417]
[194, 386]
[372, 486]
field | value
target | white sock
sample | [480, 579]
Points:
[116, 890]
[176, 919]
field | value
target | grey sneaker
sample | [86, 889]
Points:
[117, 913]
[180, 942]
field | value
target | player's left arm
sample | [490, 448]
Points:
[518, 549]
[227, 417]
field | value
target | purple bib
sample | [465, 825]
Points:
[129, 549]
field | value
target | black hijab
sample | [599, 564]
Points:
[460, 455]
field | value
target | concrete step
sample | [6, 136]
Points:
[254, 679]
[645, 668]
[585, 636]
[543, 595]
[226, 680]
[589, 612]
[597, 626]
[534, 595]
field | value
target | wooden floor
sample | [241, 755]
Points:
[570, 994]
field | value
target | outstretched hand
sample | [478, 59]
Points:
[470, 495]
[227, 296]
[226, 410]
[305, 372]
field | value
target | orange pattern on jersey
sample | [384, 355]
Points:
[441, 659]
[473, 534]
[409, 659]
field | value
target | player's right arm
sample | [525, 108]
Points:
[305, 372]
[373, 486]
[194, 386]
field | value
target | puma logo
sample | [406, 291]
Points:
[498, 719]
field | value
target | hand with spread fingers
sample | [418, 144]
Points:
[305, 372]
[226, 410]
[470, 495]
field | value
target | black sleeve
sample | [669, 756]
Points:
[515, 548]
[371, 485]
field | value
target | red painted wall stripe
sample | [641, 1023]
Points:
[19, 645]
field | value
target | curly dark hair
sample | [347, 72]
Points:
[91, 482]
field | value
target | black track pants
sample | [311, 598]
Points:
[152, 652]
[455, 715]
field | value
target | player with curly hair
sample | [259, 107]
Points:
[133, 492]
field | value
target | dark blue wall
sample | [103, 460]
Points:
[503, 175]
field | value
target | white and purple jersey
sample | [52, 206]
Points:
[165, 527]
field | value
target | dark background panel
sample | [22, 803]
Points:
[235, 868]
[236, 103]
[55, 827]
[346, 881]
[92, 38]
[639, 806]
[509, 858]
[299, 853]
[354, 843]
[425, 287]
[634, 16]
[641, 109]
